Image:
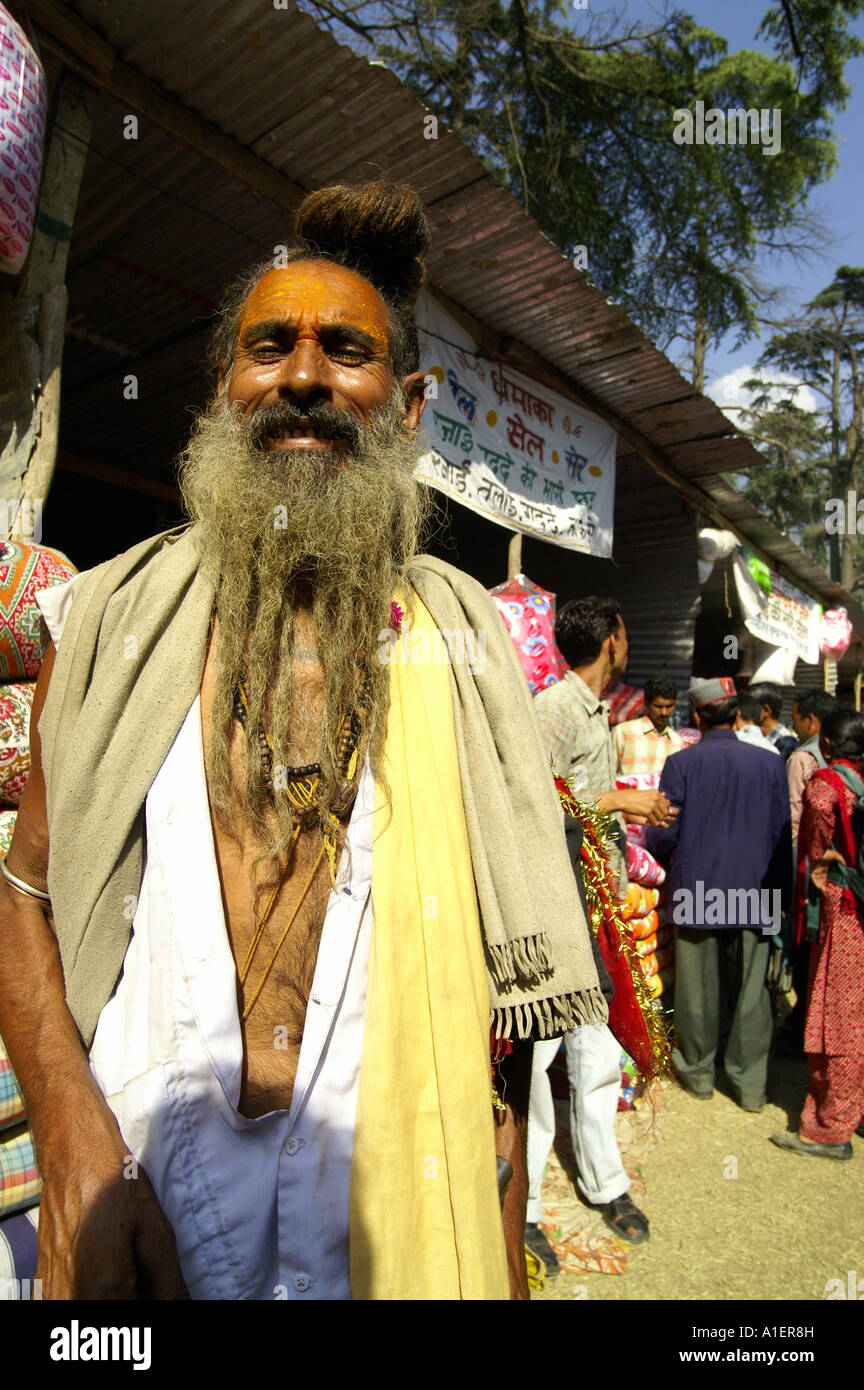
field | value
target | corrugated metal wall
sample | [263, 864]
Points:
[653, 571]
[655, 578]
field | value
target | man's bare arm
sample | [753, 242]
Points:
[101, 1235]
[511, 1136]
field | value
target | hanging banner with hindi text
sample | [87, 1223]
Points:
[787, 617]
[518, 453]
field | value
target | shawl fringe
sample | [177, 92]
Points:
[550, 1017]
[524, 960]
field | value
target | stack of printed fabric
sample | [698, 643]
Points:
[24, 570]
[645, 916]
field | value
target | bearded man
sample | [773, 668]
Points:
[268, 887]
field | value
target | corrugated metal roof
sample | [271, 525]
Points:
[316, 111]
[159, 229]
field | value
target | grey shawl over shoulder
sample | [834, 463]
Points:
[128, 668]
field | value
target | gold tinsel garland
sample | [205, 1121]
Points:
[603, 905]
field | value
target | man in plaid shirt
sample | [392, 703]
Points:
[574, 722]
[643, 745]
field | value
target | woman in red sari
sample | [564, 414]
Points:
[834, 1033]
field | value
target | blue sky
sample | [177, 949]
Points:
[841, 199]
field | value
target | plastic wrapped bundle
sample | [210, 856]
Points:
[638, 782]
[659, 984]
[642, 867]
[529, 616]
[640, 927]
[656, 961]
[23, 97]
[661, 937]
[624, 701]
[639, 901]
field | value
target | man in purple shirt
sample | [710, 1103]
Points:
[729, 877]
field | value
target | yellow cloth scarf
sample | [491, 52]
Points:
[425, 1218]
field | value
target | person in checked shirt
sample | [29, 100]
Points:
[643, 745]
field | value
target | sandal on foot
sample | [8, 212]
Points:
[537, 1243]
[797, 1146]
[624, 1218]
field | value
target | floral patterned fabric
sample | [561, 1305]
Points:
[7, 825]
[16, 700]
[24, 570]
[529, 616]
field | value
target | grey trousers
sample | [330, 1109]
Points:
[733, 960]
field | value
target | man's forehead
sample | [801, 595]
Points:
[318, 292]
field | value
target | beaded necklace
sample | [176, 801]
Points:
[300, 785]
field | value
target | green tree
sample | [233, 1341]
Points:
[579, 126]
[810, 462]
[815, 35]
[790, 488]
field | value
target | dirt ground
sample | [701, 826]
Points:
[732, 1216]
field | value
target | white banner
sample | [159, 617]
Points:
[517, 453]
[789, 619]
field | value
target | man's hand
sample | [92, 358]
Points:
[819, 868]
[642, 807]
[102, 1233]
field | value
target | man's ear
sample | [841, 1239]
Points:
[414, 390]
[221, 376]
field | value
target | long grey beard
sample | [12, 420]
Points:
[275, 519]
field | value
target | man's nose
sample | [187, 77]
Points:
[304, 371]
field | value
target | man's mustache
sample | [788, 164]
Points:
[278, 419]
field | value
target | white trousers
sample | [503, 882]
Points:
[594, 1072]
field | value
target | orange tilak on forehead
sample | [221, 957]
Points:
[310, 293]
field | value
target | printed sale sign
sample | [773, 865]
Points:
[517, 453]
[789, 619]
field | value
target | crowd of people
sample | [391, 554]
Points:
[759, 829]
[289, 935]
